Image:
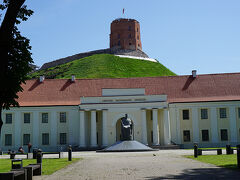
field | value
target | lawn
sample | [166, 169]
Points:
[49, 166]
[227, 161]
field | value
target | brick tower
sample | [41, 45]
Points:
[125, 34]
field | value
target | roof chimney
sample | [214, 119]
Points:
[194, 73]
[73, 78]
[41, 78]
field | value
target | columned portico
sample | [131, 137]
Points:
[155, 127]
[93, 141]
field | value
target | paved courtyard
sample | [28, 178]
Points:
[164, 164]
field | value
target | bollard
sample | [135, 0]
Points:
[228, 149]
[69, 153]
[238, 155]
[39, 156]
[195, 150]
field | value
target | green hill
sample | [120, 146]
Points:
[105, 66]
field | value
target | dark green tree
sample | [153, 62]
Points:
[15, 55]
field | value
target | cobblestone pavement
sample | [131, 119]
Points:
[163, 164]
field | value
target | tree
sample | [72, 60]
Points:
[15, 55]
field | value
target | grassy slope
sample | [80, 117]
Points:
[105, 66]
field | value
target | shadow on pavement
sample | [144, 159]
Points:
[203, 174]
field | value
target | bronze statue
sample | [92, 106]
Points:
[126, 129]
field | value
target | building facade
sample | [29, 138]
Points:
[86, 113]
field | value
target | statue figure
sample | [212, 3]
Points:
[126, 129]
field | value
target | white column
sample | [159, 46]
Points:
[166, 126]
[82, 140]
[214, 124]
[93, 129]
[195, 125]
[36, 134]
[155, 127]
[53, 122]
[70, 128]
[17, 129]
[104, 129]
[179, 137]
[233, 124]
[144, 127]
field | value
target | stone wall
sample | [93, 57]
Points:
[117, 51]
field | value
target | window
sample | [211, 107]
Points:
[26, 139]
[204, 114]
[224, 135]
[151, 115]
[130, 44]
[137, 29]
[45, 139]
[62, 117]
[205, 135]
[137, 37]
[223, 112]
[185, 114]
[63, 138]
[238, 112]
[186, 136]
[152, 136]
[118, 36]
[119, 43]
[8, 139]
[9, 118]
[129, 36]
[129, 28]
[44, 117]
[26, 117]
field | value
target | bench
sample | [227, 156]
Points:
[20, 174]
[33, 170]
[219, 151]
[60, 154]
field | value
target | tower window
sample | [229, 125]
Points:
[137, 29]
[138, 37]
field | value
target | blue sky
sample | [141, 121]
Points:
[182, 34]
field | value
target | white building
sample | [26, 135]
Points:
[86, 112]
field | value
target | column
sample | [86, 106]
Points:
[155, 127]
[195, 124]
[233, 124]
[17, 129]
[82, 140]
[54, 128]
[144, 127]
[178, 128]
[36, 134]
[214, 124]
[166, 126]
[104, 129]
[93, 129]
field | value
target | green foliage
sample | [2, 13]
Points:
[105, 66]
[227, 161]
[49, 166]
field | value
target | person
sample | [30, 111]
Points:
[21, 150]
[29, 147]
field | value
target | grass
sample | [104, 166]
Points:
[49, 166]
[227, 161]
[105, 66]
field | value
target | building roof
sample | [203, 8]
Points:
[210, 87]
